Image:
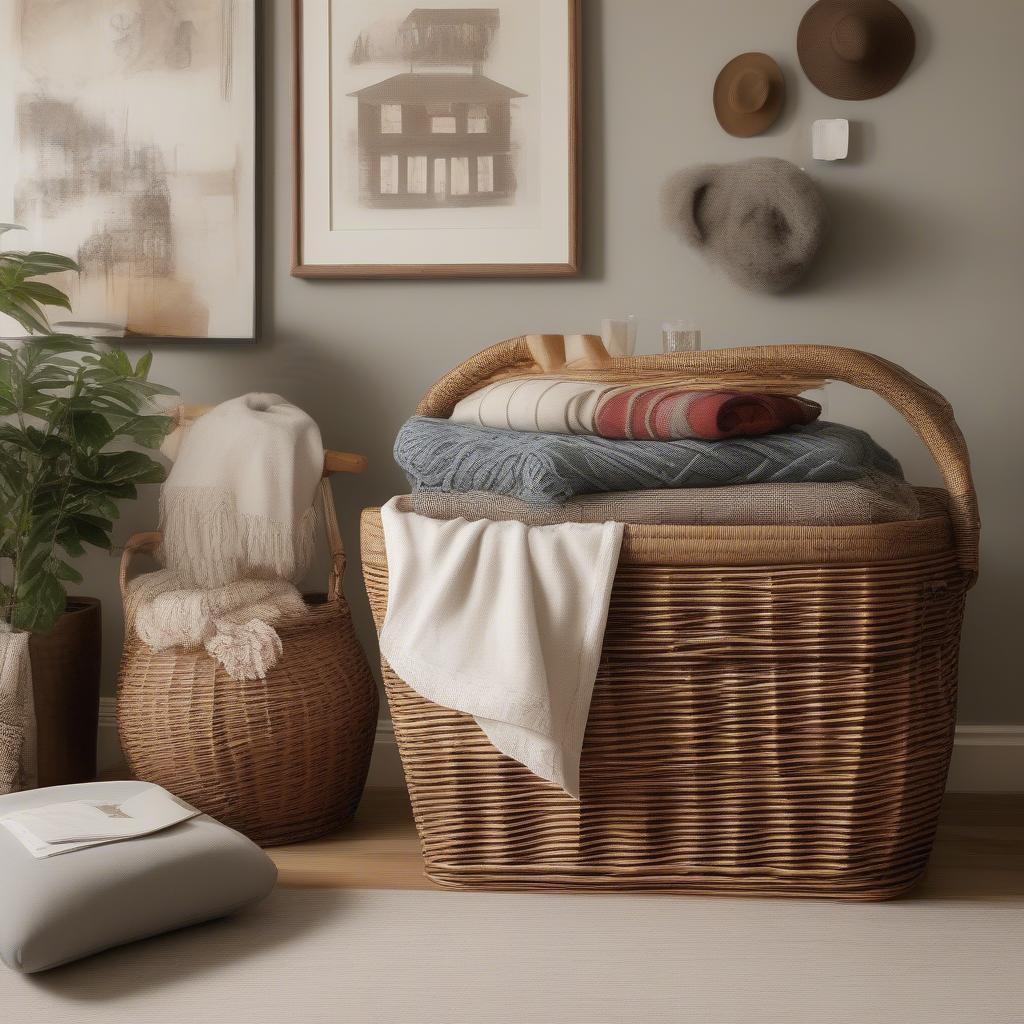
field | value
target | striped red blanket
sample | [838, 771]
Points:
[672, 413]
[563, 405]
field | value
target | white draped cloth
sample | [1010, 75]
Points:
[503, 622]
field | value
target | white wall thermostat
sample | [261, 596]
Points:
[830, 139]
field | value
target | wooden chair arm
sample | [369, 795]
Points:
[343, 462]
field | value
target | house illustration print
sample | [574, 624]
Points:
[440, 134]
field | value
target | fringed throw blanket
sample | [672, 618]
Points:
[239, 501]
[233, 622]
[17, 713]
[237, 519]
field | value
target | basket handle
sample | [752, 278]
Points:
[927, 412]
[335, 546]
[138, 543]
[147, 543]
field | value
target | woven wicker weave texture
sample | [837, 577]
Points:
[774, 710]
[282, 759]
[775, 366]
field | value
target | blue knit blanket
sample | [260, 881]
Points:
[438, 455]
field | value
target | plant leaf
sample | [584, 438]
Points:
[45, 294]
[35, 263]
[91, 430]
[40, 602]
[25, 311]
[62, 571]
[94, 531]
[149, 431]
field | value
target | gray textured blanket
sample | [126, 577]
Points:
[438, 455]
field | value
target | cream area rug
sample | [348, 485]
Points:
[310, 956]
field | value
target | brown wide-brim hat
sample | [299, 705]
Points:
[855, 49]
[749, 93]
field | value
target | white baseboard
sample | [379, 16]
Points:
[386, 766]
[986, 758]
[108, 747]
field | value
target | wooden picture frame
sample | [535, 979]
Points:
[435, 198]
[165, 172]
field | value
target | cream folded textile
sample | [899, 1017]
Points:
[17, 713]
[238, 500]
[504, 622]
[233, 623]
[237, 519]
[545, 405]
[873, 499]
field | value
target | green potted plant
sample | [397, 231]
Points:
[73, 414]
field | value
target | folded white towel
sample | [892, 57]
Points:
[504, 622]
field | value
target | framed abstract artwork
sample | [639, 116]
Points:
[437, 141]
[131, 129]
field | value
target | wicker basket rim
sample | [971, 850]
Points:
[924, 409]
[315, 615]
[771, 547]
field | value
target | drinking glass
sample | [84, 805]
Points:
[680, 336]
[619, 334]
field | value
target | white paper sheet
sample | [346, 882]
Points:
[64, 827]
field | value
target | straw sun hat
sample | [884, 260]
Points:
[749, 93]
[855, 49]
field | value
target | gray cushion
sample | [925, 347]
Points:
[63, 908]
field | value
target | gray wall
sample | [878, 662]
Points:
[924, 266]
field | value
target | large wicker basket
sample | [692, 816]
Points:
[281, 759]
[775, 706]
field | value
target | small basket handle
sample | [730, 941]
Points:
[138, 544]
[335, 545]
[147, 543]
[927, 412]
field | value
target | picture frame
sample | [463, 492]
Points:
[172, 253]
[412, 161]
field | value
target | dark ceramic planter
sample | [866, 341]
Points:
[66, 682]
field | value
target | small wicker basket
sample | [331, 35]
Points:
[775, 705]
[281, 759]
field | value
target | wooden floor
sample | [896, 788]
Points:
[979, 852]
[379, 850]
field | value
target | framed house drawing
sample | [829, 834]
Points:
[437, 141]
[131, 130]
